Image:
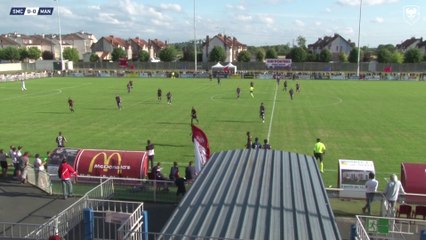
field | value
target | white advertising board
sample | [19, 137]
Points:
[353, 174]
[278, 63]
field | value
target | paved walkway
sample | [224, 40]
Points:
[23, 203]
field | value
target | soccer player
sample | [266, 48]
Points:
[169, 97]
[262, 112]
[193, 115]
[23, 88]
[129, 87]
[298, 87]
[251, 91]
[285, 85]
[291, 92]
[118, 101]
[71, 104]
[159, 93]
[218, 80]
[319, 152]
[61, 140]
[238, 92]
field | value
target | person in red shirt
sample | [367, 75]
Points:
[65, 172]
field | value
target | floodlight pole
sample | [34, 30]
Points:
[195, 44]
[60, 37]
[359, 37]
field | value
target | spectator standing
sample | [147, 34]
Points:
[38, 163]
[180, 184]
[249, 140]
[61, 140]
[65, 172]
[371, 187]
[256, 144]
[12, 155]
[174, 172]
[23, 163]
[266, 145]
[150, 148]
[190, 172]
[319, 152]
[392, 190]
[3, 163]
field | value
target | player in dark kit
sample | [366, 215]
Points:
[291, 92]
[159, 93]
[238, 92]
[193, 115]
[129, 87]
[285, 85]
[118, 101]
[298, 87]
[71, 104]
[262, 112]
[169, 97]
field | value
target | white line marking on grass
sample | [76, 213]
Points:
[272, 112]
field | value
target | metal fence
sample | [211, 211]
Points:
[372, 227]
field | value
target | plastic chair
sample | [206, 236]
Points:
[420, 210]
[404, 209]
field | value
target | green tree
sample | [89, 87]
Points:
[71, 54]
[343, 57]
[47, 55]
[23, 53]
[244, 56]
[301, 42]
[217, 54]
[353, 55]
[298, 54]
[397, 57]
[2, 54]
[34, 53]
[413, 55]
[325, 55]
[384, 55]
[118, 53]
[143, 56]
[271, 53]
[188, 53]
[312, 57]
[11, 54]
[168, 54]
[94, 58]
[260, 55]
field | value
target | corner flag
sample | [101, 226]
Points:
[201, 148]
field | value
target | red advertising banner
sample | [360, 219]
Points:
[111, 163]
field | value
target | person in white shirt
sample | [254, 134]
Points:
[38, 163]
[392, 189]
[371, 187]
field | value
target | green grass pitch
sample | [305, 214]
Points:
[364, 120]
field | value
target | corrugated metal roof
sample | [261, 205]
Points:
[256, 194]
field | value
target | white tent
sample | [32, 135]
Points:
[231, 68]
[217, 67]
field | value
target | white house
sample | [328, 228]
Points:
[231, 45]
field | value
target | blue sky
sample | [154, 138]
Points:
[252, 22]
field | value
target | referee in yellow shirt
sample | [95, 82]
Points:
[319, 151]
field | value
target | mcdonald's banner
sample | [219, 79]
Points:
[201, 148]
[111, 163]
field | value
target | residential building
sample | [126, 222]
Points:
[105, 45]
[154, 48]
[422, 47]
[409, 44]
[81, 41]
[231, 45]
[335, 44]
[137, 44]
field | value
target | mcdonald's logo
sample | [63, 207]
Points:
[106, 161]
